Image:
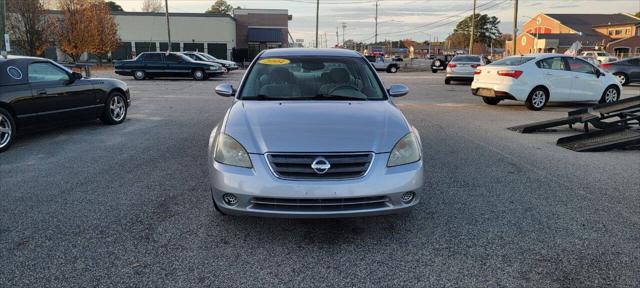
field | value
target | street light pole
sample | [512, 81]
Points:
[473, 22]
[166, 9]
[376, 35]
[515, 27]
[3, 29]
[317, 19]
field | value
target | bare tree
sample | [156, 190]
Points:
[28, 25]
[152, 6]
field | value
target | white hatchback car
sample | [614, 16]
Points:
[539, 78]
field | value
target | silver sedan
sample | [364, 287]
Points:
[463, 67]
[313, 133]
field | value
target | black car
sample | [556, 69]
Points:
[627, 70]
[35, 90]
[162, 64]
[199, 56]
[440, 63]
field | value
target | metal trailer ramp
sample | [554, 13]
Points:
[627, 110]
[613, 121]
[601, 140]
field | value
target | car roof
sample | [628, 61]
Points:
[332, 52]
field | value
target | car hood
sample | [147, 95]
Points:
[315, 126]
[226, 62]
[206, 63]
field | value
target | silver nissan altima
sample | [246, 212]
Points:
[312, 133]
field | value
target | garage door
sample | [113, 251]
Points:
[175, 47]
[218, 50]
[123, 52]
[199, 47]
[145, 47]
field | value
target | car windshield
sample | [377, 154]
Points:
[311, 78]
[466, 58]
[512, 61]
[208, 57]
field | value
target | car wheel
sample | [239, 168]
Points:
[537, 99]
[610, 95]
[622, 78]
[447, 81]
[7, 130]
[491, 101]
[393, 69]
[198, 75]
[139, 75]
[115, 111]
[434, 70]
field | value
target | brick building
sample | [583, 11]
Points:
[554, 33]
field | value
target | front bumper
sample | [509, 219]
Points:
[250, 185]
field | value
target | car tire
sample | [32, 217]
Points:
[7, 130]
[115, 109]
[198, 75]
[434, 71]
[139, 75]
[393, 69]
[610, 95]
[537, 99]
[622, 78]
[447, 81]
[491, 101]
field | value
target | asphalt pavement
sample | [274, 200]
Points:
[84, 205]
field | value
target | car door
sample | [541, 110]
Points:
[175, 65]
[56, 95]
[153, 65]
[557, 78]
[586, 85]
[633, 66]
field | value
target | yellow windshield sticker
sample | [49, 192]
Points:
[274, 61]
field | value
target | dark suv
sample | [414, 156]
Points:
[161, 64]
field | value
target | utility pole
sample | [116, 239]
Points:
[3, 28]
[515, 27]
[326, 40]
[337, 36]
[344, 27]
[317, 19]
[166, 9]
[473, 24]
[376, 36]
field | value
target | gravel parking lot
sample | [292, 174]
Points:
[85, 204]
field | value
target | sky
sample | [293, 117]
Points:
[399, 19]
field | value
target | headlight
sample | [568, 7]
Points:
[230, 152]
[406, 151]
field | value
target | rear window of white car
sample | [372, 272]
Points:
[512, 61]
[475, 59]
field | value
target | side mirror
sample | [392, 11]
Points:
[76, 76]
[398, 90]
[598, 73]
[225, 90]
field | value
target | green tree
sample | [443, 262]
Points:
[220, 7]
[114, 6]
[486, 28]
[638, 14]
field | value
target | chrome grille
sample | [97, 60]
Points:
[298, 166]
[319, 205]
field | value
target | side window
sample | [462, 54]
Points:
[555, 63]
[152, 57]
[43, 72]
[172, 58]
[579, 65]
[635, 61]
